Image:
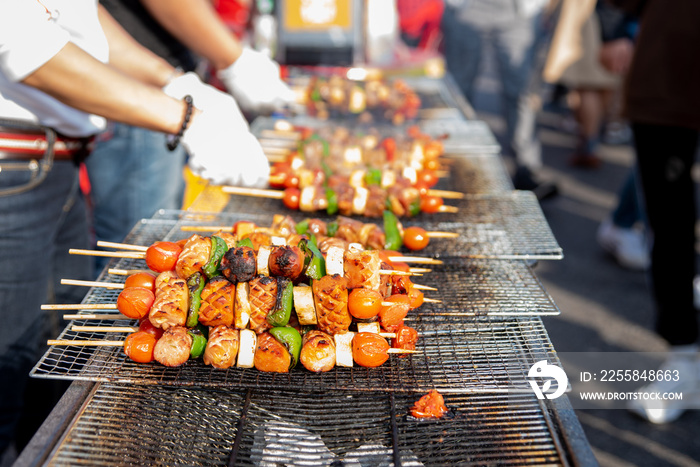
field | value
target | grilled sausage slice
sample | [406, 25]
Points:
[331, 299]
[286, 261]
[238, 264]
[222, 347]
[271, 355]
[317, 352]
[262, 298]
[195, 254]
[170, 306]
[173, 348]
[218, 299]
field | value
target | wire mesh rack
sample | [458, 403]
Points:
[122, 425]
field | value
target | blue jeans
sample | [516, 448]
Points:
[629, 210]
[132, 175]
[468, 31]
[37, 228]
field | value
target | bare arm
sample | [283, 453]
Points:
[196, 24]
[79, 80]
[130, 57]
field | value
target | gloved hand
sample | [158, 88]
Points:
[254, 80]
[219, 142]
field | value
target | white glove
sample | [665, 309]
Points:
[254, 80]
[219, 142]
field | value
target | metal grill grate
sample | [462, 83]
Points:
[480, 356]
[155, 425]
[463, 136]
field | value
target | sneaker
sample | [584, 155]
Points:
[617, 133]
[627, 246]
[686, 362]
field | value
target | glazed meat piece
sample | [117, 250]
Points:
[286, 261]
[317, 352]
[376, 203]
[271, 355]
[284, 226]
[262, 298]
[376, 239]
[227, 237]
[222, 347]
[259, 238]
[349, 229]
[331, 300]
[318, 227]
[171, 303]
[195, 254]
[362, 269]
[173, 348]
[324, 243]
[238, 264]
[218, 300]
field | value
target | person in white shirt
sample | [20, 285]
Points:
[65, 67]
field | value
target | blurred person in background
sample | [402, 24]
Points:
[60, 74]
[132, 187]
[662, 102]
[513, 29]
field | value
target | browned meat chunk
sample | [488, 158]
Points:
[222, 347]
[173, 348]
[195, 254]
[238, 264]
[317, 352]
[286, 261]
[271, 355]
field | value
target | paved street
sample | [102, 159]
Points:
[603, 306]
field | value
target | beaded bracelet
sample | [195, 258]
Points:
[174, 141]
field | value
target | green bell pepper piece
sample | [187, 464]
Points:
[332, 228]
[218, 248]
[373, 177]
[327, 171]
[245, 242]
[195, 284]
[414, 208]
[314, 262]
[332, 198]
[302, 227]
[199, 336]
[291, 339]
[280, 314]
[392, 234]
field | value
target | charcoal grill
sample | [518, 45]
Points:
[160, 425]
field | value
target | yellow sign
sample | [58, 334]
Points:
[315, 15]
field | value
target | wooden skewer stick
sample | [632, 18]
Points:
[104, 329]
[81, 306]
[106, 285]
[95, 316]
[431, 300]
[111, 254]
[439, 234]
[446, 194]
[101, 343]
[127, 272]
[420, 270]
[423, 287]
[448, 208]
[121, 246]
[257, 192]
[83, 343]
[414, 259]
[392, 272]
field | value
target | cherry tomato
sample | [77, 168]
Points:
[430, 204]
[406, 338]
[162, 256]
[369, 349]
[415, 238]
[431, 405]
[364, 303]
[389, 145]
[429, 177]
[141, 279]
[291, 180]
[395, 310]
[291, 198]
[413, 131]
[433, 149]
[135, 302]
[145, 325]
[432, 164]
[139, 345]
[415, 298]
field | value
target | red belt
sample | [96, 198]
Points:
[19, 144]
